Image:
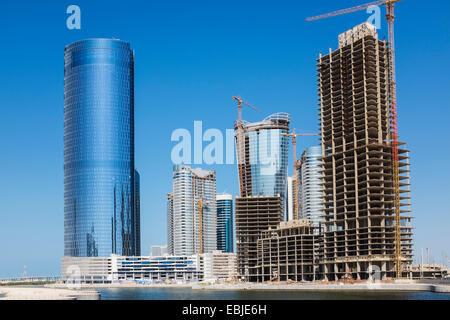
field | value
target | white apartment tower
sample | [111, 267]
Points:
[192, 220]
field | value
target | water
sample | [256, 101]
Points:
[189, 294]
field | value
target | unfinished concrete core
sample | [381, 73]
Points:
[291, 251]
[253, 216]
[357, 163]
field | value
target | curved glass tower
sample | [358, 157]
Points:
[266, 149]
[99, 187]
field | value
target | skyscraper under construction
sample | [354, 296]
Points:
[357, 167]
[263, 161]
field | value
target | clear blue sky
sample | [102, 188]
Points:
[191, 57]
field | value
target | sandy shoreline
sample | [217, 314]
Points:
[45, 293]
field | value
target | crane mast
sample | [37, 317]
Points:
[394, 131]
[240, 151]
[295, 179]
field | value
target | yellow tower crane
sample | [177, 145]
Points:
[393, 108]
[295, 179]
[200, 224]
[240, 150]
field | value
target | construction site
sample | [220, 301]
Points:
[365, 224]
[290, 251]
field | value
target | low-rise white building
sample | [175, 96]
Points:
[218, 266]
[115, 268]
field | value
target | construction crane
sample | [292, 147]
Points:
[393, 108]
[295, 179]
[240, 144]
[200, 224]
[200, 205]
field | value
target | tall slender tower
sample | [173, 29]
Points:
[99, 175]
[262, 203]
[193, 220]
[310, 186]
[357, 159]
[290, 202]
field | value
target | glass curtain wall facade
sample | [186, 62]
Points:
[224, 203]
[266, 157]
[99, 175]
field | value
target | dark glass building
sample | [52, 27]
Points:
[224, 205]
[101, 211]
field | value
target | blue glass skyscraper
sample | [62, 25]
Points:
[100, 211]
[224, 205]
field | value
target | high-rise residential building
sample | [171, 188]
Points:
[225, 232]
[262, 167]
[99, 174]
[356, 158]
[193, 221]
[310, 185]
